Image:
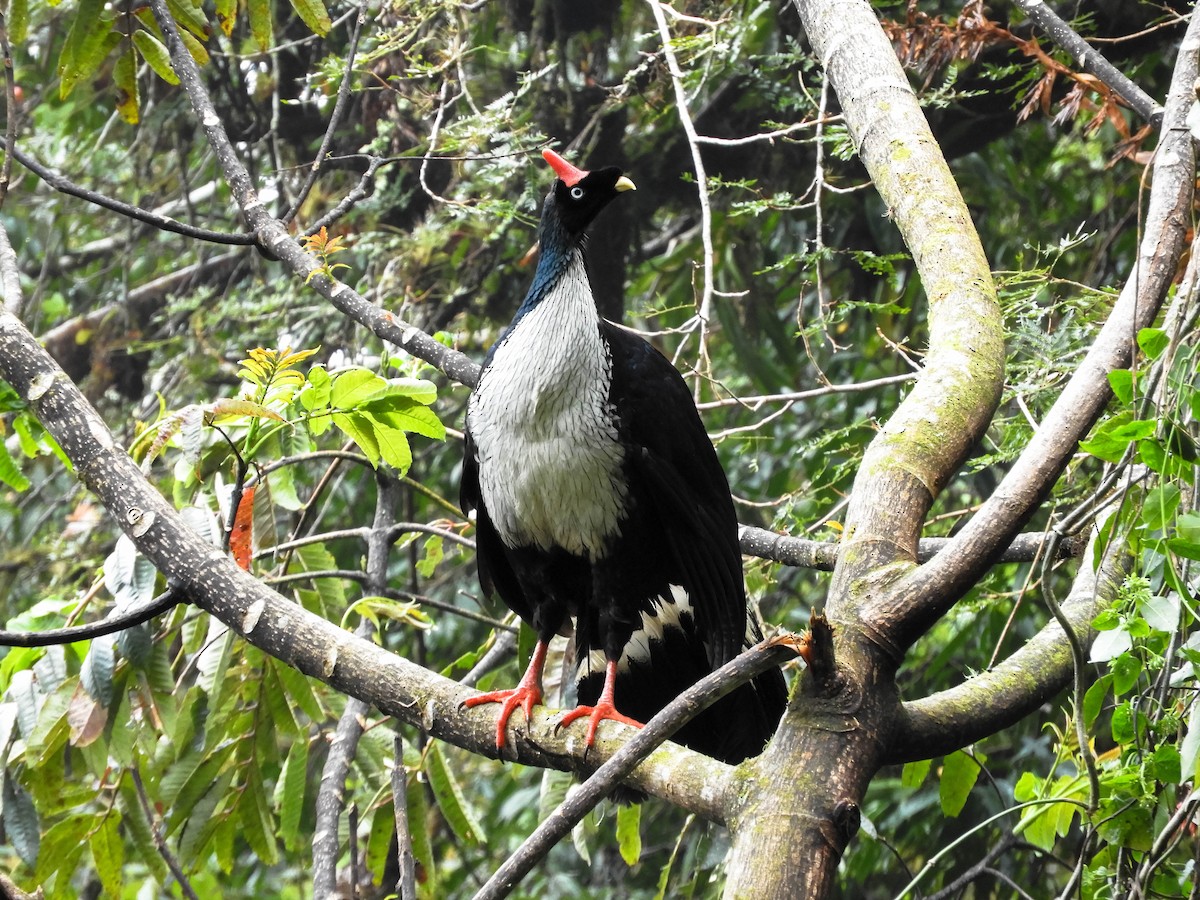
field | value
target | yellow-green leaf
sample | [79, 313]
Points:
[156, 55]
[108, 853]
[198, 50]
[125, 82]
[959, 772]
[290, 793]
[191, 17]
[18, 21]
[226, 15]
[259, 12]
[450, 799]
[227, 407]
[314, 15]
[85, 47]
[629, 833]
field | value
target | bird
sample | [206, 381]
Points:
[600, 506]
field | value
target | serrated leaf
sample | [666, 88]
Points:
[629, 833]
[108, 853]
[289, 793]
[256, 818]
[959, 773]
[314, 15]
[450, 800]
[393, 443]
[402, 414]
[156, 55]
[21, 821]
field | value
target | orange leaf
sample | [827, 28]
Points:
[243, 529]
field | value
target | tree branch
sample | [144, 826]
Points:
[1091, 60]
[926, 594]
[993, 700]
[920, 448]
[689, 704]
[273, 236]
[314, 646]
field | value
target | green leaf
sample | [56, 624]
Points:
[256, 818]
[629, 833]
[84, 48]
[353, 386]
[419, 830]
[18, 21]
[1093, 700]
[392, 442]
[9, 473]
[383, 826]
[1153, 342]
[108, 853]
[912, 776]
[450, 800]
[191, 17]
[1162, 613]
[21, 821]
[1125, 671]
[1121, 382]
[1160, 506]
[402, 414]
[156, 55]
[63, 844]
[314, 15]
[433, 555]
[1165, 764]
[1122, 724]
[289, 793]
[959, 773]
[259, 13]
[361, 430]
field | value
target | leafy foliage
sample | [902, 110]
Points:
[179, 735]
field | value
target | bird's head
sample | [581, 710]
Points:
[578, 196]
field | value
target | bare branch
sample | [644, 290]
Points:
[928, 592]
[1091, 60]
[995, 699]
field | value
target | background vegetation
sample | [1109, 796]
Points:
[176, 758]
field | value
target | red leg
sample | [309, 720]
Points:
[527, 694]
[605, 708]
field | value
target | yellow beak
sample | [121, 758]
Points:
[624, 184]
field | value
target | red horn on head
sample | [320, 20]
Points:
[563, 169]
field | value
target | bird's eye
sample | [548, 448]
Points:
[576, 193]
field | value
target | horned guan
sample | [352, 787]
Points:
[597, 497]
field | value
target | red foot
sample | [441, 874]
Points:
[596, 714]
[524, 696]
[527, 694]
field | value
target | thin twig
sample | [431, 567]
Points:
[10, 110]
[681, 103]
[406, 882]
[335, 119]
[160, 842]
[164, 223]
[50, 636]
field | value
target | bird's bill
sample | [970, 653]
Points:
[625, 184]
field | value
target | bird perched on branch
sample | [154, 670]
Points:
[598, 497]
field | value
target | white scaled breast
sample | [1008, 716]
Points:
[545, 435]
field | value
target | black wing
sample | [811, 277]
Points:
[671, 458]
